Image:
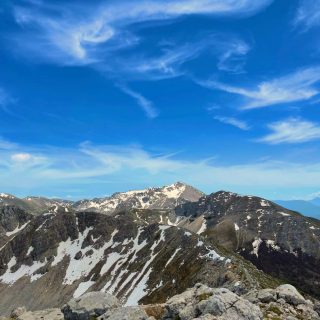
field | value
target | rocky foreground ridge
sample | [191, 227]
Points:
[198, 303]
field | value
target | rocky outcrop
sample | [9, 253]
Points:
[48, 314]
[197, 303]
[126, 313]
[90, 305]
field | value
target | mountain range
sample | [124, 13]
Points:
[309, 208]
[145, 246]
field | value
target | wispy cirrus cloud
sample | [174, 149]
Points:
[308, 14]
[5, 99]
[101, 37]
[82, 32]
[292, 130]
[298, 86]
[233, 58]
[142, 101]
[7, 145]
[240, 124]
[51, 168]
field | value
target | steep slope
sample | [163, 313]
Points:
[167, 197]
[62, 255]
[12, 220]
[280, 242]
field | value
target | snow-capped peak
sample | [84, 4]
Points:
[6, 196]
[166, 197]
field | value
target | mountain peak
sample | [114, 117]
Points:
[6, 196]
[166, 197]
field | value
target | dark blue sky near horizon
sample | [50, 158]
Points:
[109, 96]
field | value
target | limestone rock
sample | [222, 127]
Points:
[17, 312]
[125, 313]
[92, 304]
[290, 294]
[48, 314]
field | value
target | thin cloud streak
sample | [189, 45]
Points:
[143, 102]
[298, 86]
[233, 122]
[47, 167]
[292, 130]
[308, 14]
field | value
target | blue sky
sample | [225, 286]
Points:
[105, 96]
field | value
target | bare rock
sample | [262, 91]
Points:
[48, 314]
[125, 313]
[92, 304]
[290, 294]
[17, 312]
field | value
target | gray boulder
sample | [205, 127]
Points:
[317, 307]
[125, 313]
[202, 302]
[267, 295]
[228, 305]
[290, 294]
[89, 305]
[17, 312]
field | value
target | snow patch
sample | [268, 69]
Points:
[203, 227]
[10, 277]
[285, 214]
[264, 203]
[16, 230]
[82, 288]
[256, 244]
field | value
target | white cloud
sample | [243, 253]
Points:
[79, 168]
[233, 122]
[292, 131]
[308, 14]
[86, 36]
[21, 157]
[233, 57]
[82, 33]
[7, 145]
[143, 102]
[298, 86]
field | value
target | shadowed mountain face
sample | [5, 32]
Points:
[278, 241]
[12, 220]
[62, 255]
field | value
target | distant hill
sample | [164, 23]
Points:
[307, 208]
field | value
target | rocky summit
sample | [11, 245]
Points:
[135, 255]
[167, 197]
